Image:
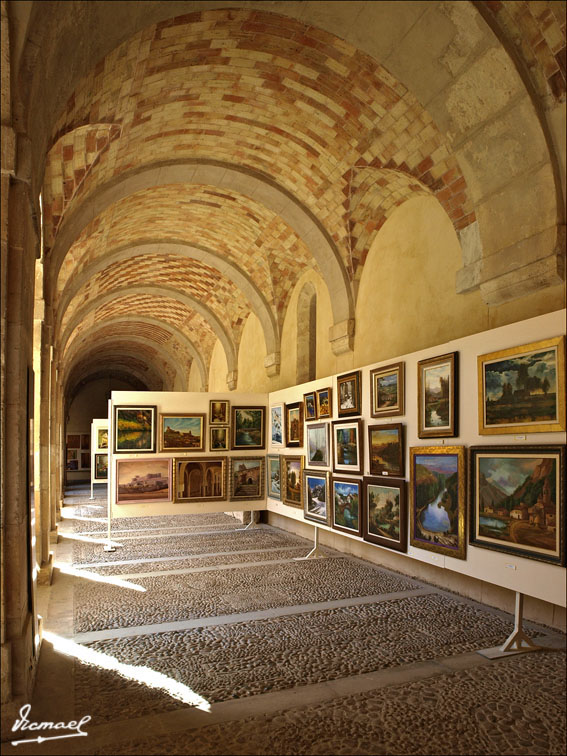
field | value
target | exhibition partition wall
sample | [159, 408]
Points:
[453, 456]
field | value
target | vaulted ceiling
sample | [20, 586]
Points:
[201, 162]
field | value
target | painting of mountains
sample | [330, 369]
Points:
[517, 500]
[521, 389]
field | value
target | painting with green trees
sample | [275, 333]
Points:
[134, 429]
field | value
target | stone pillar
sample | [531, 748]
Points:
[46, 563]
[54, 450]
[341, 336]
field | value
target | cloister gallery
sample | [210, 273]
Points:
[283, 280]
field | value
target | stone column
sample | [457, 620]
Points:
[46, 563]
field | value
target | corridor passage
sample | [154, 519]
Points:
[196, 636]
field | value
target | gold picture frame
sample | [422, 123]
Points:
[522, 389]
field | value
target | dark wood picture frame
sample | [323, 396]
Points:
[387, 390]
[310, 406]
[219, 415]
[242, 475]
[248, 428]
[437, 398]
[294, 424]
[324, 401]
[390, 529]
[349, 394]
[292, 480]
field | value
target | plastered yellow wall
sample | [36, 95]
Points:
[407, 299]
[252, 374]
[194, 382]
[326, 361]
[218, 369]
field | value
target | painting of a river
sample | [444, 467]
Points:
[134, 429]
[248, 427]
[438, 506]
[437, 395]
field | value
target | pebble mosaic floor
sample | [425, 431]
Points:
[323, 656]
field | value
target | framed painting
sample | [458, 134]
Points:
[292, 492]
[437, 499]
[324, 403]
[517, 500]
[294, 424]
[522, 389]
[386, 449]
[248, 428]
[317, 444]
[246, 478]
[277, 424]
[274, 476]
[102, 438]
[134, 429]
[310, 406]
[200, 479]
[74, 441]
[345, 493]
[219, 410]
[437, 380]
[183, 432]
[101, 467]
[347, 446]
[384, 512]
[143, 481]
[85, 442]
[348, 391]
[387, 390]
[85, 460]
[316, 496]
[72, 459]
[219, 438]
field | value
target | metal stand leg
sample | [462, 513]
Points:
[315, 552]
[92, 490]
[517, 642]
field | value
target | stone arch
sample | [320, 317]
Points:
[180, 337]
[260, 306]
[252, 184]
[306, 369]
[164, 291]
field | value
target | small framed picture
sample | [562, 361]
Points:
[387, 390]
[316, 496]
[437, 397]
[292, 468]
[348, 389]
[73, 440]
[277, 424]
[72, 459]
[183, 432]
[522, 389]
[85, 460]
[346, 505]
[324, 403]
[219, 438]
[248, 428]
[134, 429]
[318, 444]
[219, 410]
[386, 449]
[102, 438]
[101, 467]
[348, 446]
[384, 512]
[274, 476]
[310, 406]
[517, 500]
[85, 442]
[200, 479]
[246, 478]
[437, 499]
[143, 481]
[294, 424]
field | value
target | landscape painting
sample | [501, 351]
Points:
[315, 502]
[218, 412]
[291, 474]
[386, 449]
[143, 481]
[274, 477]
[248, 427]
[385, 521]
[437, 392]
[438, 499]
[346, 505]
[309, 406]
[102, 438]
[276, 424]
[183, 432]
[387, 390]
[101, 467]
[347, 446]
[318, 444]
[523, 389]
[323, 403]
[517, 500]
[134, 429]
[246, 478]
[219, 440]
